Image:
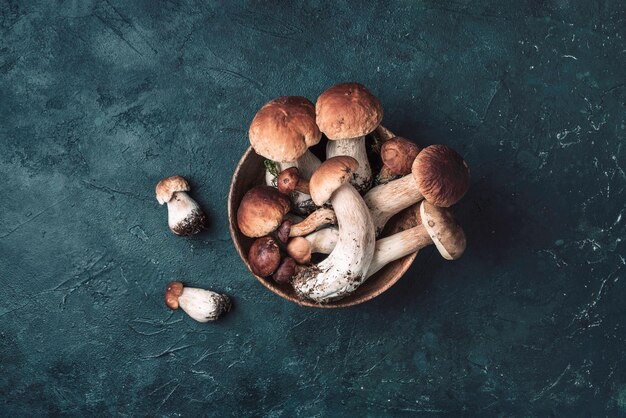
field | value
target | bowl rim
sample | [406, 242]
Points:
[405, 261]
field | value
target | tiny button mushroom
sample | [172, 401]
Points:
[264, 256]
[397, 155]
[185, 217]
[286, 271]
[345, 113]
[200, 304]
[289, 180]
[261, 211]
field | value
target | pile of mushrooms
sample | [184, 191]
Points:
[330, 208]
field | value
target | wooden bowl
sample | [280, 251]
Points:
[250, 172]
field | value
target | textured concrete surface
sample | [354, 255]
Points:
[99, 100]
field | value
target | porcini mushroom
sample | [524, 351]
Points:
[286, 271]
[200, 304]
[345, 113]
[282, 131]
[289, 181]
[319, 218]
[184, 217]
[264, 256]
[439, 175]
[322, 241]
[435, 225]
[261, 211]
[397, 155]
[345, 268]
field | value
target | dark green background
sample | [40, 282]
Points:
[100, 100]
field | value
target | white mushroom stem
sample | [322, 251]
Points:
[386, 200]
[184, 215]
[306, 164]
[323, 241]
[203, 305]
[387, 249]
[345, 268]
[354, 148]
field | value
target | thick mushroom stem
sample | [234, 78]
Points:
[203, 305]
[386, 200]
[306, 164]
[397, 246]
[185, 217]
[346, 266]
[320, 217]
[354, 148]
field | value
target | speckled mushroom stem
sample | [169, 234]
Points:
[344, 269]
[386, 200]
[387, 249]
[354, 148]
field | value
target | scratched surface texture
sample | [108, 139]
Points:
[99, 100]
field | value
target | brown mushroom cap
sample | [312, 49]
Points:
[331, 175]
[441, 174]
[284, 129]
[444, 230]
[300, 250]
[286, 271]
[261, 211]
[288, 180]
[264, 256]
[347, 111]
[172, 293]
[166, 188]
[398, 155]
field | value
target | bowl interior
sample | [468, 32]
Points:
[250, 172]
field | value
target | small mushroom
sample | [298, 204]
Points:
[261, 211]
[319, 218]
[322, 241]
[264, 256]
[434, 225]
[397, 155]
[282, 131]
[200, 304]
[289, 180]
[185, 217]
[286, 271]
[345, 113]
[439, 175]
[345, 268]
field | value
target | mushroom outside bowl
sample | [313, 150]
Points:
[250, 172]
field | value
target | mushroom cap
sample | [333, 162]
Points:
[288, 179]
[331, 175]
[264, 256]
[166, 188]
[299, 249]
[444, 230]
[347, 111]
[172, 293]
[284, 129]
[441, 174]
[284, 274]
[261, 211]
[398, 155]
